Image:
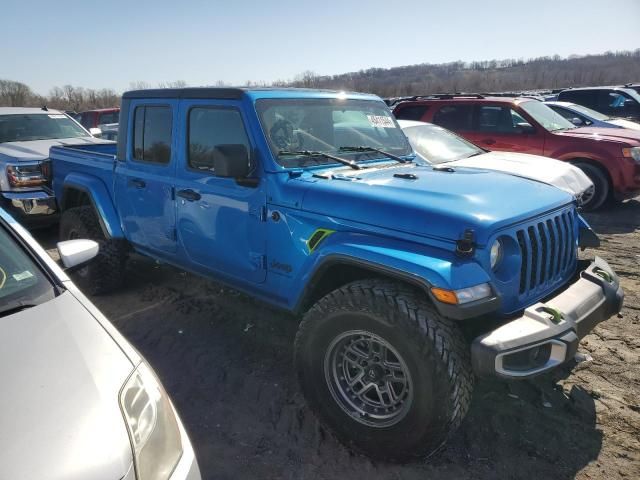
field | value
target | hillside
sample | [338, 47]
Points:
[493, 75]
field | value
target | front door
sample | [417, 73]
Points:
[144, 179]
[500, 128]
[220, 221]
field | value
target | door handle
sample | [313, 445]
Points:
[189, 195]
[136, 182]
[488, 141]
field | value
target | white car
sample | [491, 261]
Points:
[78, 401]
[582, 116]
[436, 145]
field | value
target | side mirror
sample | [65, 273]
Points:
[525, 128]
[231, 161]
[75, 253]
[576, 121]
[96, 132]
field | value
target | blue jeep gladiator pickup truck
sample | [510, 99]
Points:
[412, 280]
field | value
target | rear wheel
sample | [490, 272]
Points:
[380, 367]
[594, 199]
[104, 273]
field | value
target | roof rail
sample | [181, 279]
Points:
[448, 96]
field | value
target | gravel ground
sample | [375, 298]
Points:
[226, 360]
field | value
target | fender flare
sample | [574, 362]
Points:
[423, 278]
[100, 199]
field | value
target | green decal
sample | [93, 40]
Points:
[318, 236]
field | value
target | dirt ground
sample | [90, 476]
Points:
[226, 360]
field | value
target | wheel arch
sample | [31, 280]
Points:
[337, 270]
[80, 190]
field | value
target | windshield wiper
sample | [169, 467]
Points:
[377, 150]
[15, 307]
[475, 154]
[308, 153]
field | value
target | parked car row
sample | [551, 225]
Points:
[412, 275]
[609, 157]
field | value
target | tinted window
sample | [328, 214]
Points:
[411, 112]
[209, 128]
[21, 281]
[152, 134]
[588, 98]
[454, 117]
[111, 117]
[499, 119]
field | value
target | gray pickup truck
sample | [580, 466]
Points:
[26, 134]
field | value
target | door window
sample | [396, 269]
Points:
[210, 128]
[454, 117]
[152, 134]
[497, 119]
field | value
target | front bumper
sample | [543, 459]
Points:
[31, 208]
[547, 333]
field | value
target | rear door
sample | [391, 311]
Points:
[501, 128]
[144, 180]
[221, 221]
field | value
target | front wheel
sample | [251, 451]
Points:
[380, 367]
[594, 198]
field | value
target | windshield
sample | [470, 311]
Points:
[38, 126]
[22, 283]
[437, 145]
[588, 112]
[329, 125]
[546, 117]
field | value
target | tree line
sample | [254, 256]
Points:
[610, 68]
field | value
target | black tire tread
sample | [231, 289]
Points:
[417, 317]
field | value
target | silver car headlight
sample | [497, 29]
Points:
[152, 425]
[495, 255]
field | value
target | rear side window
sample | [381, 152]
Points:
[152, 134]
[588, 98]
[110, 117]
[411, 112]
[454, 117]
[209, 128]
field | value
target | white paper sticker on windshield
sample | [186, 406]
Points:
[381, 121]
[57, 116]
[22, 276]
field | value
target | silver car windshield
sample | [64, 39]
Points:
[438, 145]
[22, 282]
[332, 126]
[38, 126]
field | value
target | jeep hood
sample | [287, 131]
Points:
[543, 169]
[61, 377]
[423, 201]
[38, 149]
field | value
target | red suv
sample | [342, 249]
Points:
[95, 118]
[610, 157]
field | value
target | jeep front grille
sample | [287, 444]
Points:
[548, 251]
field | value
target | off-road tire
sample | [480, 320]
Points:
[435, 352]
[104, 273]
[602, 187]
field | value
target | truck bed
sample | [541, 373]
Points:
[95, 160]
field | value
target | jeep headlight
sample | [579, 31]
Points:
[495, 256]
[633, 152]
[152, 425]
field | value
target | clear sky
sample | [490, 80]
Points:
[111, 43]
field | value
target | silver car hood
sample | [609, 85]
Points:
[38, 149]
[61, 375]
